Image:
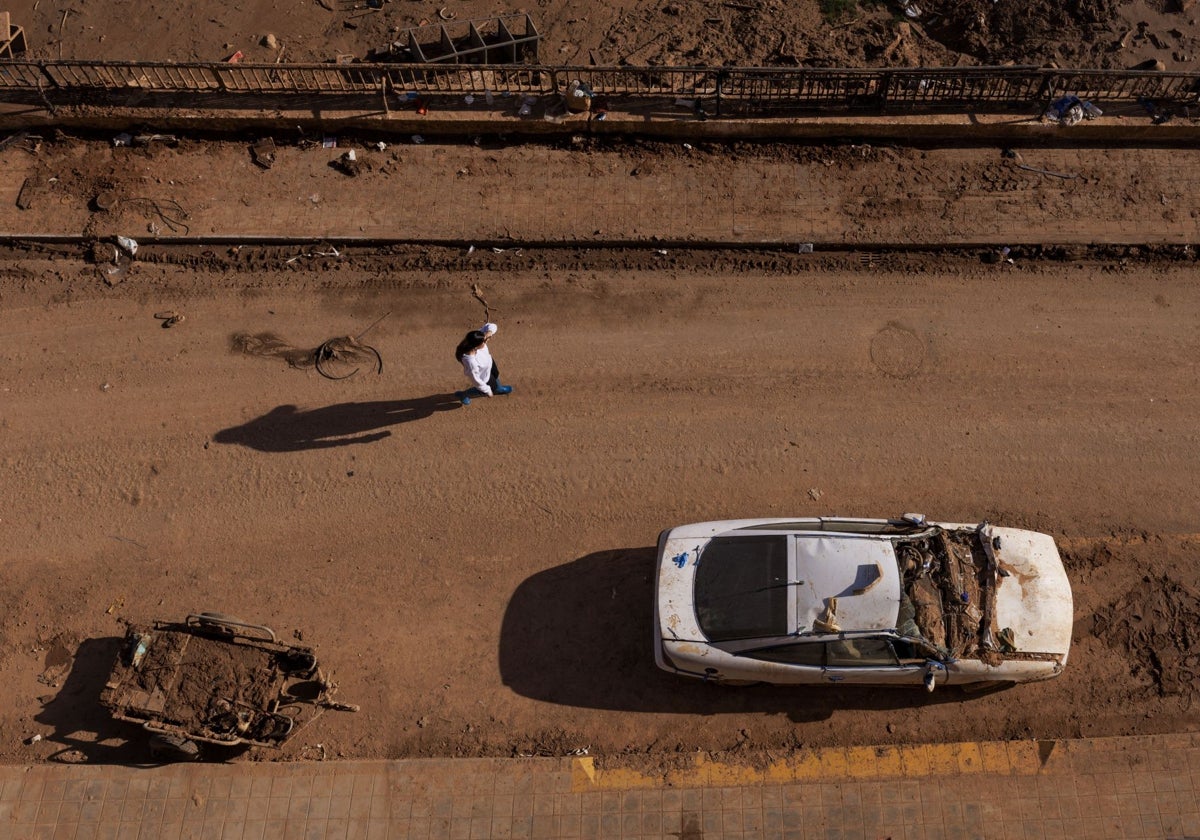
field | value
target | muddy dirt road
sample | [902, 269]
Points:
[479, 577]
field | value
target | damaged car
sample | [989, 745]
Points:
[860, 601]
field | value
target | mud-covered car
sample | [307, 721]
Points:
[867, 601]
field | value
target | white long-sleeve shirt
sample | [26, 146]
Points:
[478, 367]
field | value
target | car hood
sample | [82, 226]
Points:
[1033, 595]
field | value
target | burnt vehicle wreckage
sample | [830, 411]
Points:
[216, 680]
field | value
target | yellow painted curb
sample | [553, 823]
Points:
[834, 764]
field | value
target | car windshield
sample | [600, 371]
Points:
[741, 588]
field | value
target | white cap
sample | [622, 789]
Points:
[489, 329]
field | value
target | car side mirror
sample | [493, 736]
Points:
[931, 670]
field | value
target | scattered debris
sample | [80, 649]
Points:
[337, 353]
[1158, 115]
[506, 39]
[147, 139]
[337, 358]
[26, 196]
[814, 493]
[1015, 156]
[235, 58]
[105, 201]
[1070, 110]
[237, 684]
[348, 164]
[33, 739]
[263, 153]
[129, 246]
[270, 41]
[169, 318]
[123, 139]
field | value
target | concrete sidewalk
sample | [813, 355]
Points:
[1144, 787]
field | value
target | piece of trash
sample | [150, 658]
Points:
[129, 246]
[347, 164]
[263, 153]
[147, 139]
[235, 58]
[805, 248]
[912, 10]
[169, 318]
[601, 116]
[123, 139]
[687, 147]
[328, 142]
[662, 252]
[1070, 110]
[814, 493]
[469, 99]
[470, 250]
[381, 146]
[445, 14]
[33, 739]
[418, 139]
[105, 387]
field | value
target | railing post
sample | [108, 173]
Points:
[722, 75]
[885, 85]
[46, 73]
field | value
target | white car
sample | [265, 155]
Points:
[860, 601]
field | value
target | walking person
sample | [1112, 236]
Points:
[478, 365]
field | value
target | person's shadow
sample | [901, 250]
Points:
[286, 428]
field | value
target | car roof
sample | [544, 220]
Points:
[859, 571]
[744, 588]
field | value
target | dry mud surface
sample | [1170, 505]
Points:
[807, 33]
[479, 578]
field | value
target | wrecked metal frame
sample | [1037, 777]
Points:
[754, 91]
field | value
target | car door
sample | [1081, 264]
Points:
[795, 663]
[870, 660]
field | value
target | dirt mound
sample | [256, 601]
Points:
[1157, 625]
[1027, 33]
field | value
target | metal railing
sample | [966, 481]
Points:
[728, 90]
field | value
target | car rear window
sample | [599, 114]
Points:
[741, 588]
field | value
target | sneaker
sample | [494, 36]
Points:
[503, 389]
